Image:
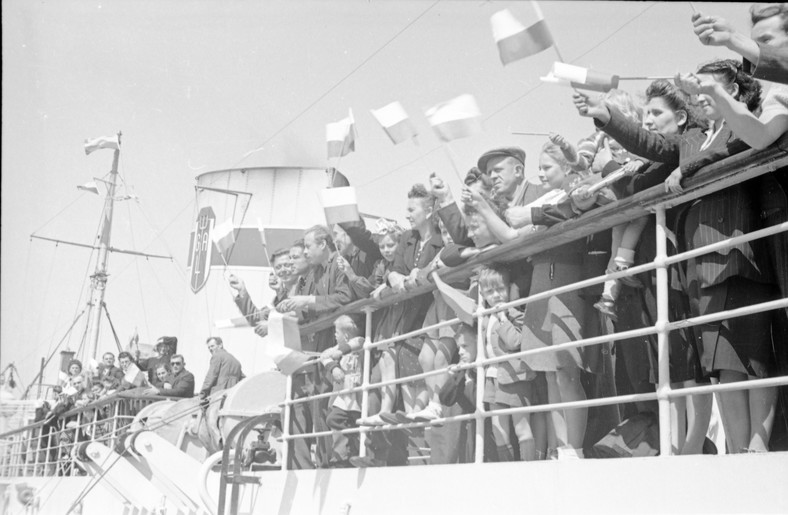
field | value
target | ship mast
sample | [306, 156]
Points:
[98, 281]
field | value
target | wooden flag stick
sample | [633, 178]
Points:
[692, 6]
[451, 156]
[531, 133]
[656, 77]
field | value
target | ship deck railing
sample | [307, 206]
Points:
[712, 178]
[50, 447]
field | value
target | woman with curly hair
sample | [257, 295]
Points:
[739, 348]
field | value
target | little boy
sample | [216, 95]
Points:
[343, 368]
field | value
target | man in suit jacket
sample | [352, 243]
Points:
[180, 382]
[224, 370]
[107, 368]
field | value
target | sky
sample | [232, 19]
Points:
[214, 84]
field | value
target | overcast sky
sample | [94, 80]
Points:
[194, 86]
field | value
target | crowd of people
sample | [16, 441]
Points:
[164, 374]
[699, 118]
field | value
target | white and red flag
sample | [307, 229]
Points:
[563, 74]
[455, 118]
[90, 187]
[395, 122]
[340, 204]
[341, 136]
[91, 145]
[516, 41]
[284, 343]
[223, 235]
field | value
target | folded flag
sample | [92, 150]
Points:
[395, 122]
[341, 137]
[131, 373]
[456, 118]
[464, 307]
[514, 40]
[90, 187]
[581, 78]
[230, 323]
[284, 343]
[91, 145]
[223, 235]
[339, 204]
[336, 179]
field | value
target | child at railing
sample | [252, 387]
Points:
[514, 383]
[387, 235]
[603, 155]
[343, 369]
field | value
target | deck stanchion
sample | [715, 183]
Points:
[480, 355]
[286, 422]
[366, 367]
[663, 387]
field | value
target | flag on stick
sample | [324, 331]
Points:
[456, 118]
[91, 145]
[223, 235]
[340, 204]
[395, 122]
[514, 40]
[336, 179]
[341, 136]
[284, 343]
[464, 307]
[90, 187]
[581, 78]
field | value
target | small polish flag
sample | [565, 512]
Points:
[395, 122]
[223, 235]
[229, 323]
[341, 136]
[455, 118]
[284, 343]
[91, 145]
[578, 77]
[131, 373]
[464, 307]
[514, 40]
[340, 204]
[90, 187]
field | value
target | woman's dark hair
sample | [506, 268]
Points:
[760, 12]
[676, 100]
[125, 354]
[418, 190]
[730, 72]
[75, 362]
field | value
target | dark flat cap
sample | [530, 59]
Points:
[515, 152]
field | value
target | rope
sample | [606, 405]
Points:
[112, 327]
[339, 82]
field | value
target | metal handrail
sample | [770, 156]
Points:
[712, 178]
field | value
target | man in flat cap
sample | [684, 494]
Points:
[506, 167]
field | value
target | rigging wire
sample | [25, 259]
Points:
[139, 276]
[515, 100]
[339, 82]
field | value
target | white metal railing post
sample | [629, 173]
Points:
[663, 385]
[366, 367]
[286, 423]
[480, 379]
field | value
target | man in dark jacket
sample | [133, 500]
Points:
[179, 382]
[224, 370]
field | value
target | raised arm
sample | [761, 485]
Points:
[757, 132]
[651, 145]
[362, 238]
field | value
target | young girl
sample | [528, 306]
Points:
[608, 156]
[387, 235]
[515, 385]
[557, 319]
